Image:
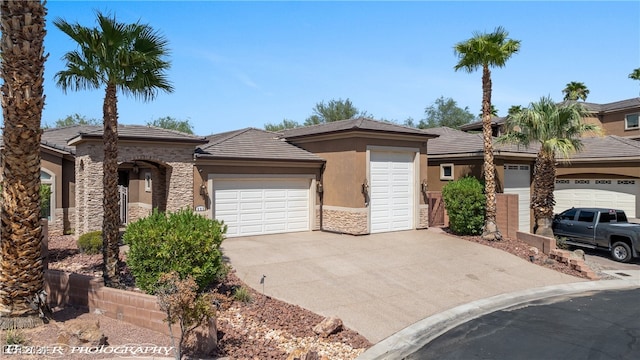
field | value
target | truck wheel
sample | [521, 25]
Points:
[621, 252]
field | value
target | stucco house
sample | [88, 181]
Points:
[356, 176]
[606, 173]
[621, 118]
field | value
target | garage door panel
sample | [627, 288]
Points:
[252, 207]
[608, 193]
[391, 191]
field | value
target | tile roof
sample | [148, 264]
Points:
[614, 106]
[59, 138]
[251, 143]
[360, 123]
[456, 142]
[496, 120]
[610, 147]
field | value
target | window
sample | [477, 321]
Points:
[631, 121]
[446, 172]
[586, 216]
[147, 182]
[46, 195]
[568, 215]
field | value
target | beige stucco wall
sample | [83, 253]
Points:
[346, 168]
[344, 205]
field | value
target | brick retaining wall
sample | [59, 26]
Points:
[90, 293]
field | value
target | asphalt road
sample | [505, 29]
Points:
[599, 325]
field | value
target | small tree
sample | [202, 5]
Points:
[465, 204]
[182, 303]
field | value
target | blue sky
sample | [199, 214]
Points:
[244, 64]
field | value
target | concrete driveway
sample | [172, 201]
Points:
[379, 284]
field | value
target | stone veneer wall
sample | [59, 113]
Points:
[137, 211]
[345, 220]
[58, 226]
[172, 183]
[423, 219]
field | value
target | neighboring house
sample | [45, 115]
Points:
[621, 118]
[606, 173]
[356, 176]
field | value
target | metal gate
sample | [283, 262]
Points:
[123, 191]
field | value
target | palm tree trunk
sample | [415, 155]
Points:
[490, 231]
[542, 201]
[22, 296]
[111, 220]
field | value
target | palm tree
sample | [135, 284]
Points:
[575, 91]
[483, 51]
[22, 296]
[635, 74]
[557, 128]
[120, 57]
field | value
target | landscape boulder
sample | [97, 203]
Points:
[79, 332]
[328, 326]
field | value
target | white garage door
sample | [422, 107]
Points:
[517, 180]
[620, 194]
[392, 183]
[269, 206]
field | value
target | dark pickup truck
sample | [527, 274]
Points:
[599, 228]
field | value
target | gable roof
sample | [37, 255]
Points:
[361, 123]
[251, 143]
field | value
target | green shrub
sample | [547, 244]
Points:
[183, 241]
[465, 204]
[91, 242]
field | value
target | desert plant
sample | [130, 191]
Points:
[465, 205]
[242, 294]
[561, 243]
[179, 299]
[15, 336]
[182, 241]
[91, 242]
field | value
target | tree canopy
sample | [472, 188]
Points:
[171, 123]
[74, 119]
[285, 124]
[575, 91]
[445, 112]
[334, 110]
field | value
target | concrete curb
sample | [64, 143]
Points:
[414, 337]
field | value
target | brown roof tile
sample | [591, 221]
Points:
[251, 143]
[452, 142]
[352, 124]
